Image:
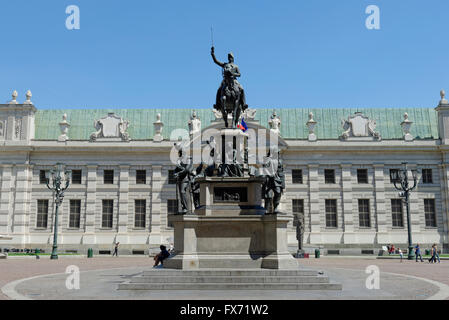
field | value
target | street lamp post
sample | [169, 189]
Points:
[401, 177]
[58, 191]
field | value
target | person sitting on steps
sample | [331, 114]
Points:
[161, 256]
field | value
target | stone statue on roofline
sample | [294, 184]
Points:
[194, 124]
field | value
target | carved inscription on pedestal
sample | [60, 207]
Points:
[230, 194]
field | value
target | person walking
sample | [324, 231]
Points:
[116, 249]
[418, 253]
[432, 254]
[437, 256]
[400, 253]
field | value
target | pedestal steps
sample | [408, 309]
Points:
[229, 280]
[230, 272]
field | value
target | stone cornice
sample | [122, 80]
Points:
[17, 107]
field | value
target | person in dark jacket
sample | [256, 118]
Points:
[116, 249]
[418, 253]
[161, 256]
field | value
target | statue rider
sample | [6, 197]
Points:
[230, 74]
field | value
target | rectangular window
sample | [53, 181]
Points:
[329, 176]
[75, 214]
[140, 213]
[76, 176]
[364, 219]
[393, 170]
[108, 177]
[362, 175]
[106, 218]
[331, 213]
[429, 211]
[141, 177]
[42, 178]
[297, 208]
[397, 214]
[172, 208]
[427, 176]
[297, 176]
[42, 214]
[171, 177]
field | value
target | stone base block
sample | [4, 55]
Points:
[244, 242]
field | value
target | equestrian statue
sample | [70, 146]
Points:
[230, 96]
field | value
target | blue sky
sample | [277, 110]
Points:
[148, 54]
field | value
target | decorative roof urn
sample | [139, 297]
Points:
[14, 98]
[28, 97]
[443, 101]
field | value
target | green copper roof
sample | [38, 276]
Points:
[425, 122]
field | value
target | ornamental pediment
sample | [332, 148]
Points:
[358, 127]
[111, 127]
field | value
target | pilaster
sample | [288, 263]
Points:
[91, 198]
[348, 215]
[156, 181]
[314, 202]
[21, 201]
[415, 212]
[5, 200]
[444, 180]
[123, 199]
[379, 196]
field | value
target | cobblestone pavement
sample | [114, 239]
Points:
[18, 268]
[102, 284]
[435, 271]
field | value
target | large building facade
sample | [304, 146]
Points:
[337, 166]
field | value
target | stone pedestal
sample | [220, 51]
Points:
[230, 230]
[238, 242]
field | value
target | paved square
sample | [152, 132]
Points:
[100, 277]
